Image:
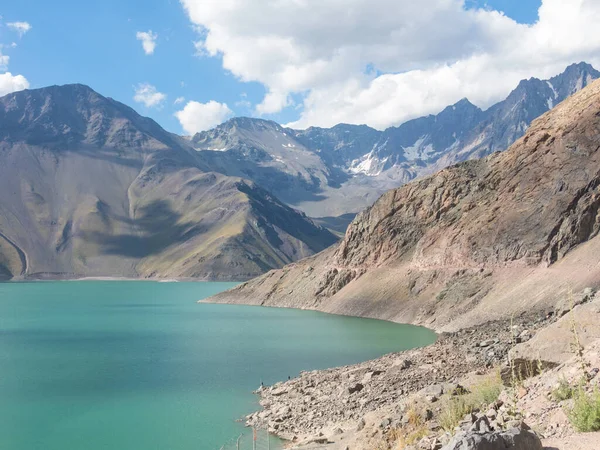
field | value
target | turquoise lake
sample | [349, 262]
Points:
[124, 365]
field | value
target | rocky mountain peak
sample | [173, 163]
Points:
[236, 132]
[573, 79]
[461, 111]
[74, 113]
[90, 187]
[249, 124]
[464, 104]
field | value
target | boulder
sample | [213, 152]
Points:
[515, 439]
[355, 388]
[436, 390]
[553, 345]
[361, 424]
[566, 304]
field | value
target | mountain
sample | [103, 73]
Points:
[88, 187]
[341, 170]
[503, 235]
[264, 152]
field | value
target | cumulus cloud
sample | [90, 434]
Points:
[148, 95]
[11, 83]
[19, 27]
[195, 116]
[148, 39]
[382, 62]
[179, 100]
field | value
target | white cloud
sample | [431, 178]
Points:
[4, 60]
[195, 116]
[382, 62]
[148, 95]
[243, 102]
[148, 39]
[11, 83]
[19, 27]
[179, 100]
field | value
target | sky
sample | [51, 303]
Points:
[192, 64]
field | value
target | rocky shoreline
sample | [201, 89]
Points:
[356, 406]
[331, 400]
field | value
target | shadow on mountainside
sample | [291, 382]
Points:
[164, 160]
[156, 227]
[110, 155]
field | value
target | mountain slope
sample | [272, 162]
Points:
[264, 152]
[90, 188]
[493, 237]
[340, 170]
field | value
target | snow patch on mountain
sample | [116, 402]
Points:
[368, 165]
[551, 86]
[414, 152]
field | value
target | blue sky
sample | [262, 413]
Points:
[523, 11]
[95, 43]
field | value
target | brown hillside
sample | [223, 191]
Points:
[492, 237]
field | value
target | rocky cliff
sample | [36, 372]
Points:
[491, 237]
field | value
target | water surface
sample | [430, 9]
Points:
[125, 365]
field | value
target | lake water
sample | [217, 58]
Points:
[122, 365]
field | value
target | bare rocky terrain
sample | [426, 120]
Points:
[484, 239]
[90, 188]
[500, 256]
[405, 400]
[328, 400]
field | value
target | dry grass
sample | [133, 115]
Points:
[411, 434]
[403, 437]
[482, 394]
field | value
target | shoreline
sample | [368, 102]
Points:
[374, 404]
[396, 322]
[109, 278]
[328, 406]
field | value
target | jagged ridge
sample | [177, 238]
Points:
[450, 247]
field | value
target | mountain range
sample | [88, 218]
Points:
[88, 187]
[341, 170]
[512, 233]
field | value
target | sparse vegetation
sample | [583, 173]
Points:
[576, 345]
[409, 434]
[453, 411]
[585, 414]
[482, 394]
[403, 437]
[564, 391]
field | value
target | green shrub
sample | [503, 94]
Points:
[585, 414]
[453, 411]
[488, 390]
[482, 394]
[564, 391]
